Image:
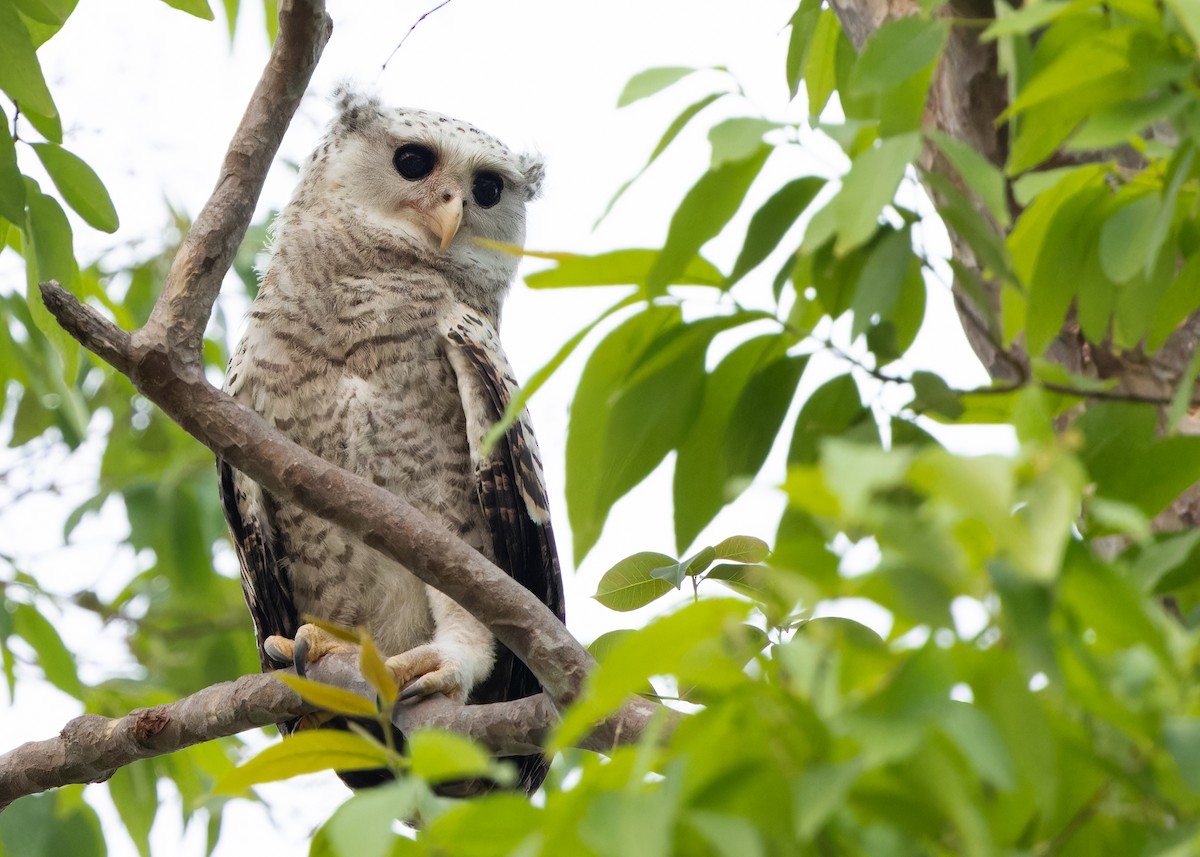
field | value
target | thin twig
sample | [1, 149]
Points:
[396, 49]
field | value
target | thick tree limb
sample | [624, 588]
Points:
[91, 748]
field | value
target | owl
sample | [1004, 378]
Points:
[373, 343]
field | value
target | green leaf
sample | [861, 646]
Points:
[602, 645]
[55, 659]
[1117, 125]
[868, 187]
[804, 24]
[877, 288]
[271, 13]
[305, 753]
[1178, 302]
[772, 221]
[675, 573]
[629, 584]
[374, 670]
[729, 835]
[199, 8]
[231, 15]
[1025, 20]
[516, 403]
[980, 175]
[1189, 13]
[437, 756]
[12, 185]
[618, 268]
[976, 738]
[701, 472]
[897, 51]
[362, 826]
[756, 420]
[612, 361]
[820, 69]
[49, 825]
[134, 792]
[484, 827]
[635, 402]
[45, 11]
[1125, 237]
[329, 697]
[79, 185]
[819, 793]
[1087, 63]
[738, 138]
[934, 394]
[53, 244]
[661, 648]
[49, 127]
[1182, 737]
[834, 409]
[651, 81]
[1128, 463]
[673, 130]
[1062, 254]
[20, 72]
[747, 580]
[703, 213]
[742, 549]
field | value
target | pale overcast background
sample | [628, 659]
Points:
[150, 96]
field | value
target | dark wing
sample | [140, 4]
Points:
[512, 495]
[266, 579]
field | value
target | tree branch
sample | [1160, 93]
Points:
[91, 748]
[182, 310]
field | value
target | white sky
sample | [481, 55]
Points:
[150, 97]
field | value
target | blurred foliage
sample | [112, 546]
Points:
[1031, 687]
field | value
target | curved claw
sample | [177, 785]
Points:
[427, 670]
[300, 655]
[279, 649]
[310, 643]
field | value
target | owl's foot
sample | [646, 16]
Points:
[427, 670]
[310, 643]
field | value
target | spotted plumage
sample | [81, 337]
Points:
[373, 343]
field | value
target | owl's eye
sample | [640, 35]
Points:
[487, 188]
[414, 161]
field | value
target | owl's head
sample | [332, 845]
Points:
[430, 181]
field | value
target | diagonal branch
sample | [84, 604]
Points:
[91, 748]
[181, 312]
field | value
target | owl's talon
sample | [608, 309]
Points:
[280, 650]
[427, 670]
[300, 654]
[310, 644]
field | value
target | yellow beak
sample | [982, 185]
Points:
[446, 218]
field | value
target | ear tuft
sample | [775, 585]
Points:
[533, 168]
[356, 109]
